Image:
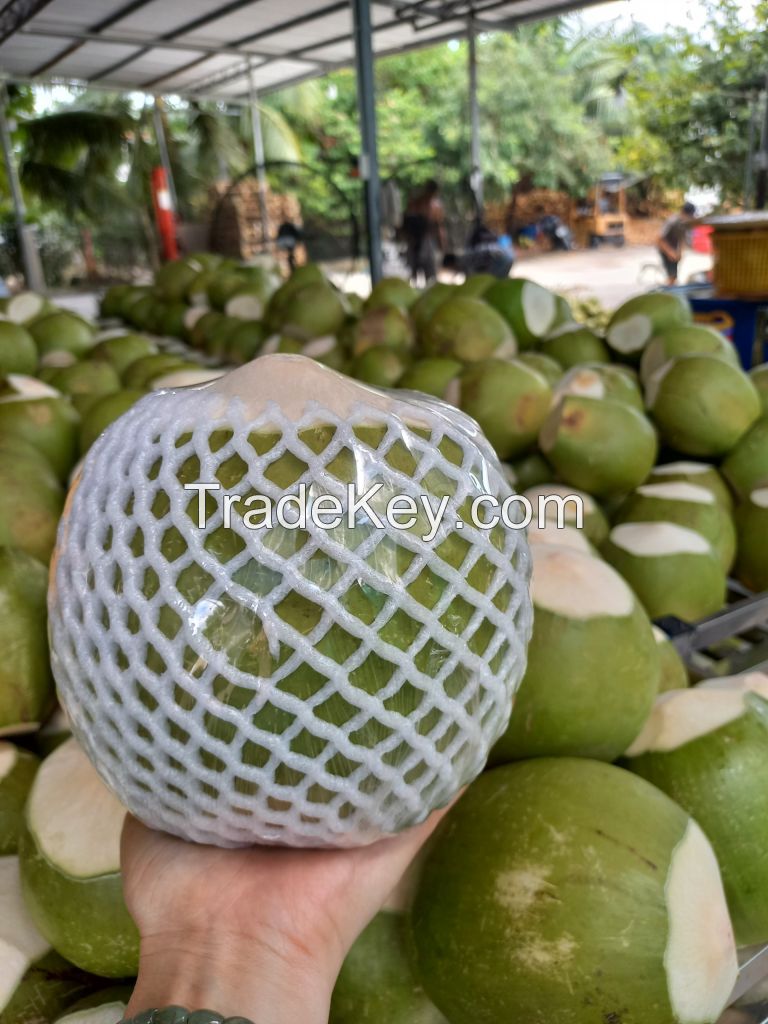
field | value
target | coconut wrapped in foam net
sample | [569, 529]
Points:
[310, 686]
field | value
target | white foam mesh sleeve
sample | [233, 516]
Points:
[306, 688]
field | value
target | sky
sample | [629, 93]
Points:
[655, 14]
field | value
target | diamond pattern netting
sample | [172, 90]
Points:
[302, 687]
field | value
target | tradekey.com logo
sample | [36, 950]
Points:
[298, 509]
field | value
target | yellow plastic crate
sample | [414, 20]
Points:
[741, 256]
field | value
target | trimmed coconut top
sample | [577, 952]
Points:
[568, 537]
[74, 817]
[295, 383]
[581, 381]
[760, 497]
[682, 469]
[24, 389]
[630, 334]
[319, 346]
[570, 327]
[680, 716]
[659, 635]
[20, 941]
[700, 959]
[652, 540]
[107, 1013]
[186, 378]
[9, 755]
[193, 314]
[679, 490]
[576, 585]
[539, 308]
[58, 359]
[533, 494]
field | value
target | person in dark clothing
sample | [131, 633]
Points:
[672, 238]
[424, 230]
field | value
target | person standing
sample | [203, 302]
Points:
[672, 239]
[424, 230]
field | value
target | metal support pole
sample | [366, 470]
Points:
[33, 271]
[749, 168]
[258, 153]
[369, 158]
[476, 176]
[165, 159]
[761, 189]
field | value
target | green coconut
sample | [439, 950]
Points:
[199, 323]
[26, 307]
[552, 535]
[36, 984]
[378, 983]
[126, 300]
[429, 302]
[69, 857]
[702, 405]
[111, 305]
[86, 382]
[683, 341]
[280, 343]
[707, 748]
[759, 377]
[141, 371]
[31, 499]
[560, 504]
[185, 376]
[752, 526]
[40, 415]
[674, 674]
[248, 303]
[702, 474]
[217, 336]
[329, 351]
[688, 505]
[476, 285]
[530, 471]
[600, 445]
[384, 326]
[531, 311]
[103, 1007]
[62, 332]
[644, 317]
[26, 687]
[593, 667]
[437, 377]
[601, 381]
[746, 467]
[17, 770]
[222, 286]
[282, 297]
[380, 367]
[572, 891]
[313, 311]
[173, 279]
[548, 368]
[244, 343]
[122, 350]
[509, 400]
[170, 319]
[672, 569]
[18, 352]
[469, 330]
[573, 344]
[104, 412]
[391, 291]
[144, 314]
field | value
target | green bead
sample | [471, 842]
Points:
[171, 1015]
[205, 1017]
[238, 1020]
[145, 1017]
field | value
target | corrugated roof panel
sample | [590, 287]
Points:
[92, 58]
[212, 66]
[161, 17]
[20, 54]
[157, 62]
[264, 17]
[77, 15]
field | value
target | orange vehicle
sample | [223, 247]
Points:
[603, 217]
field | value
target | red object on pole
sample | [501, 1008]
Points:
[165, 215]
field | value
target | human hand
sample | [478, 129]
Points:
[259, 932]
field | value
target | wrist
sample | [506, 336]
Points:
[234, 976]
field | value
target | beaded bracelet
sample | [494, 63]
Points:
[179, 1015]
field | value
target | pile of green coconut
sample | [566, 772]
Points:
[609, 866]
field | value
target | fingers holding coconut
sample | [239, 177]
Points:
[707, 748]
[70, 866]
[578, 893]
[593, 665]
[672, 569]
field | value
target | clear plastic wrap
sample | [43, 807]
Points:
[308, 686]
